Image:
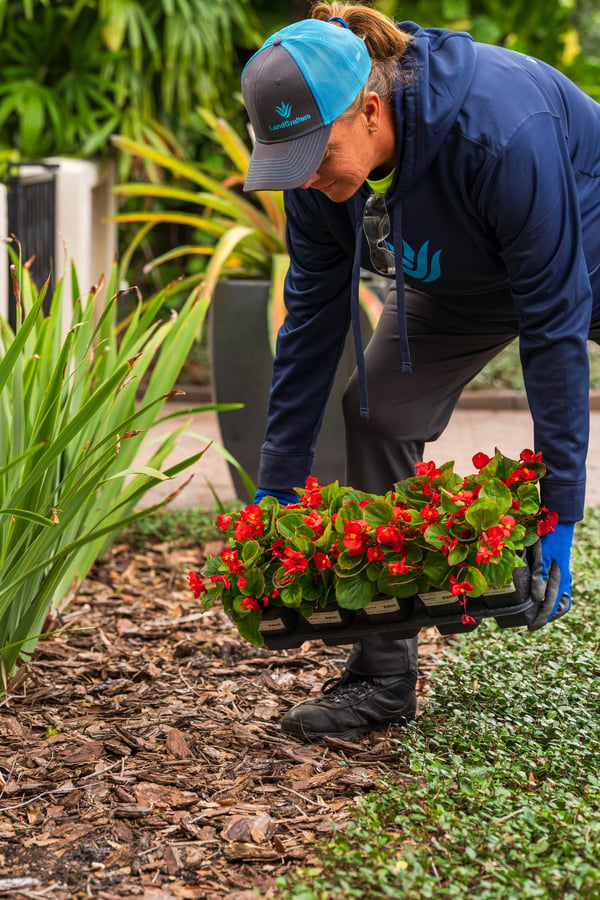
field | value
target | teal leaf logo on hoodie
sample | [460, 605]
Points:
[284, 110]
[420, 265]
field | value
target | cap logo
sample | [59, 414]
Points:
[285, 111]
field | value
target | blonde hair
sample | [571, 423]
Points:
[385, 42]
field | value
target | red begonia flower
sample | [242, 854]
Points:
[225, 581]
[480, 460]
[196, 585]
[399, 567]
[530, 456]
[430, 514]
[459, 587]
[314, 521]
[429, 469]
[294, 561]
[230, 558]
[322, 561]
[243, 531]
[548, 524]
[250, 603]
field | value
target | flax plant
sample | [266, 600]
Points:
[71, 426]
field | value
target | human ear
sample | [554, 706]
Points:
[372, 111]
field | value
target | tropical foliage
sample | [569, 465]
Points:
[71, 74]
[70, 431]
[564, 33]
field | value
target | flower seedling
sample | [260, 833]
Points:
[435, 531]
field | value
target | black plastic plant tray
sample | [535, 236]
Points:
[511, 608]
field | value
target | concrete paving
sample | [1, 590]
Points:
[470, 430]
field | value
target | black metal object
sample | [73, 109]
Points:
[31, 200]
[283, 628]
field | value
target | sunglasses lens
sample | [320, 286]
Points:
[376, 228]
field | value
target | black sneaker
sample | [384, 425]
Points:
[352, 706]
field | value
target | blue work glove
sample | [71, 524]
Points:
[283, 497]
[551, 574]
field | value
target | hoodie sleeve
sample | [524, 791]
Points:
[310, 341]
[530, 199]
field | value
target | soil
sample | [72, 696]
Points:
[141, 754]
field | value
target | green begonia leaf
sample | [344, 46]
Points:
[250, 552]
[248, 628]
[476, 578]
[378, 513]
[498, 492]
[458, 554]
[483, 514]
[288, 523]
[397, 585]
[436, 569]
[255, 584]
[355, 593]
[291, 595]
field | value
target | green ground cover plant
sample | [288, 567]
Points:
[504, 372]
[498, 794]
[188, 525]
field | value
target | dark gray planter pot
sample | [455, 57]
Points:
[241, 362]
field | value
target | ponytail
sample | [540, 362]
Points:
[384, 41]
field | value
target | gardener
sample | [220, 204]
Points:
[470, 176]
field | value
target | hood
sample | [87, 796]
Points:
[442, 65]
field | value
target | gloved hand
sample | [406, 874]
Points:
[551, 574]
[283, 497]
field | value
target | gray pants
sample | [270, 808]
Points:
[407, 411]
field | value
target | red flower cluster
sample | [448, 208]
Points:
[197, 586]
[435, 530]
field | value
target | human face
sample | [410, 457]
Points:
[346, 162]
[356, 147]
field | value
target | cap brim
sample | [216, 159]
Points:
[286, 164]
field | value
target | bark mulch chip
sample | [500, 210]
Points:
[140, 749]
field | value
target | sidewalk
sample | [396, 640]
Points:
[471, 429]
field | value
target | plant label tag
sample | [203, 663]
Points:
[505, 589]
[379, 607]
[271, 625]
[437, 598]
[326, 617]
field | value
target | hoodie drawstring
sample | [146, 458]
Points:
[355, 303]
[400, 297]
[355, 311]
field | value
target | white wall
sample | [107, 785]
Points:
[84, 201]
[3, 254]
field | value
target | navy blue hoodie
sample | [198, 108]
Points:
[496, 213]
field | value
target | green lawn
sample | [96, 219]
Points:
[498, 790]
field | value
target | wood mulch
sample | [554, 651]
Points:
[141, 755]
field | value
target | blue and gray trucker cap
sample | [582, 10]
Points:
[294, 87]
